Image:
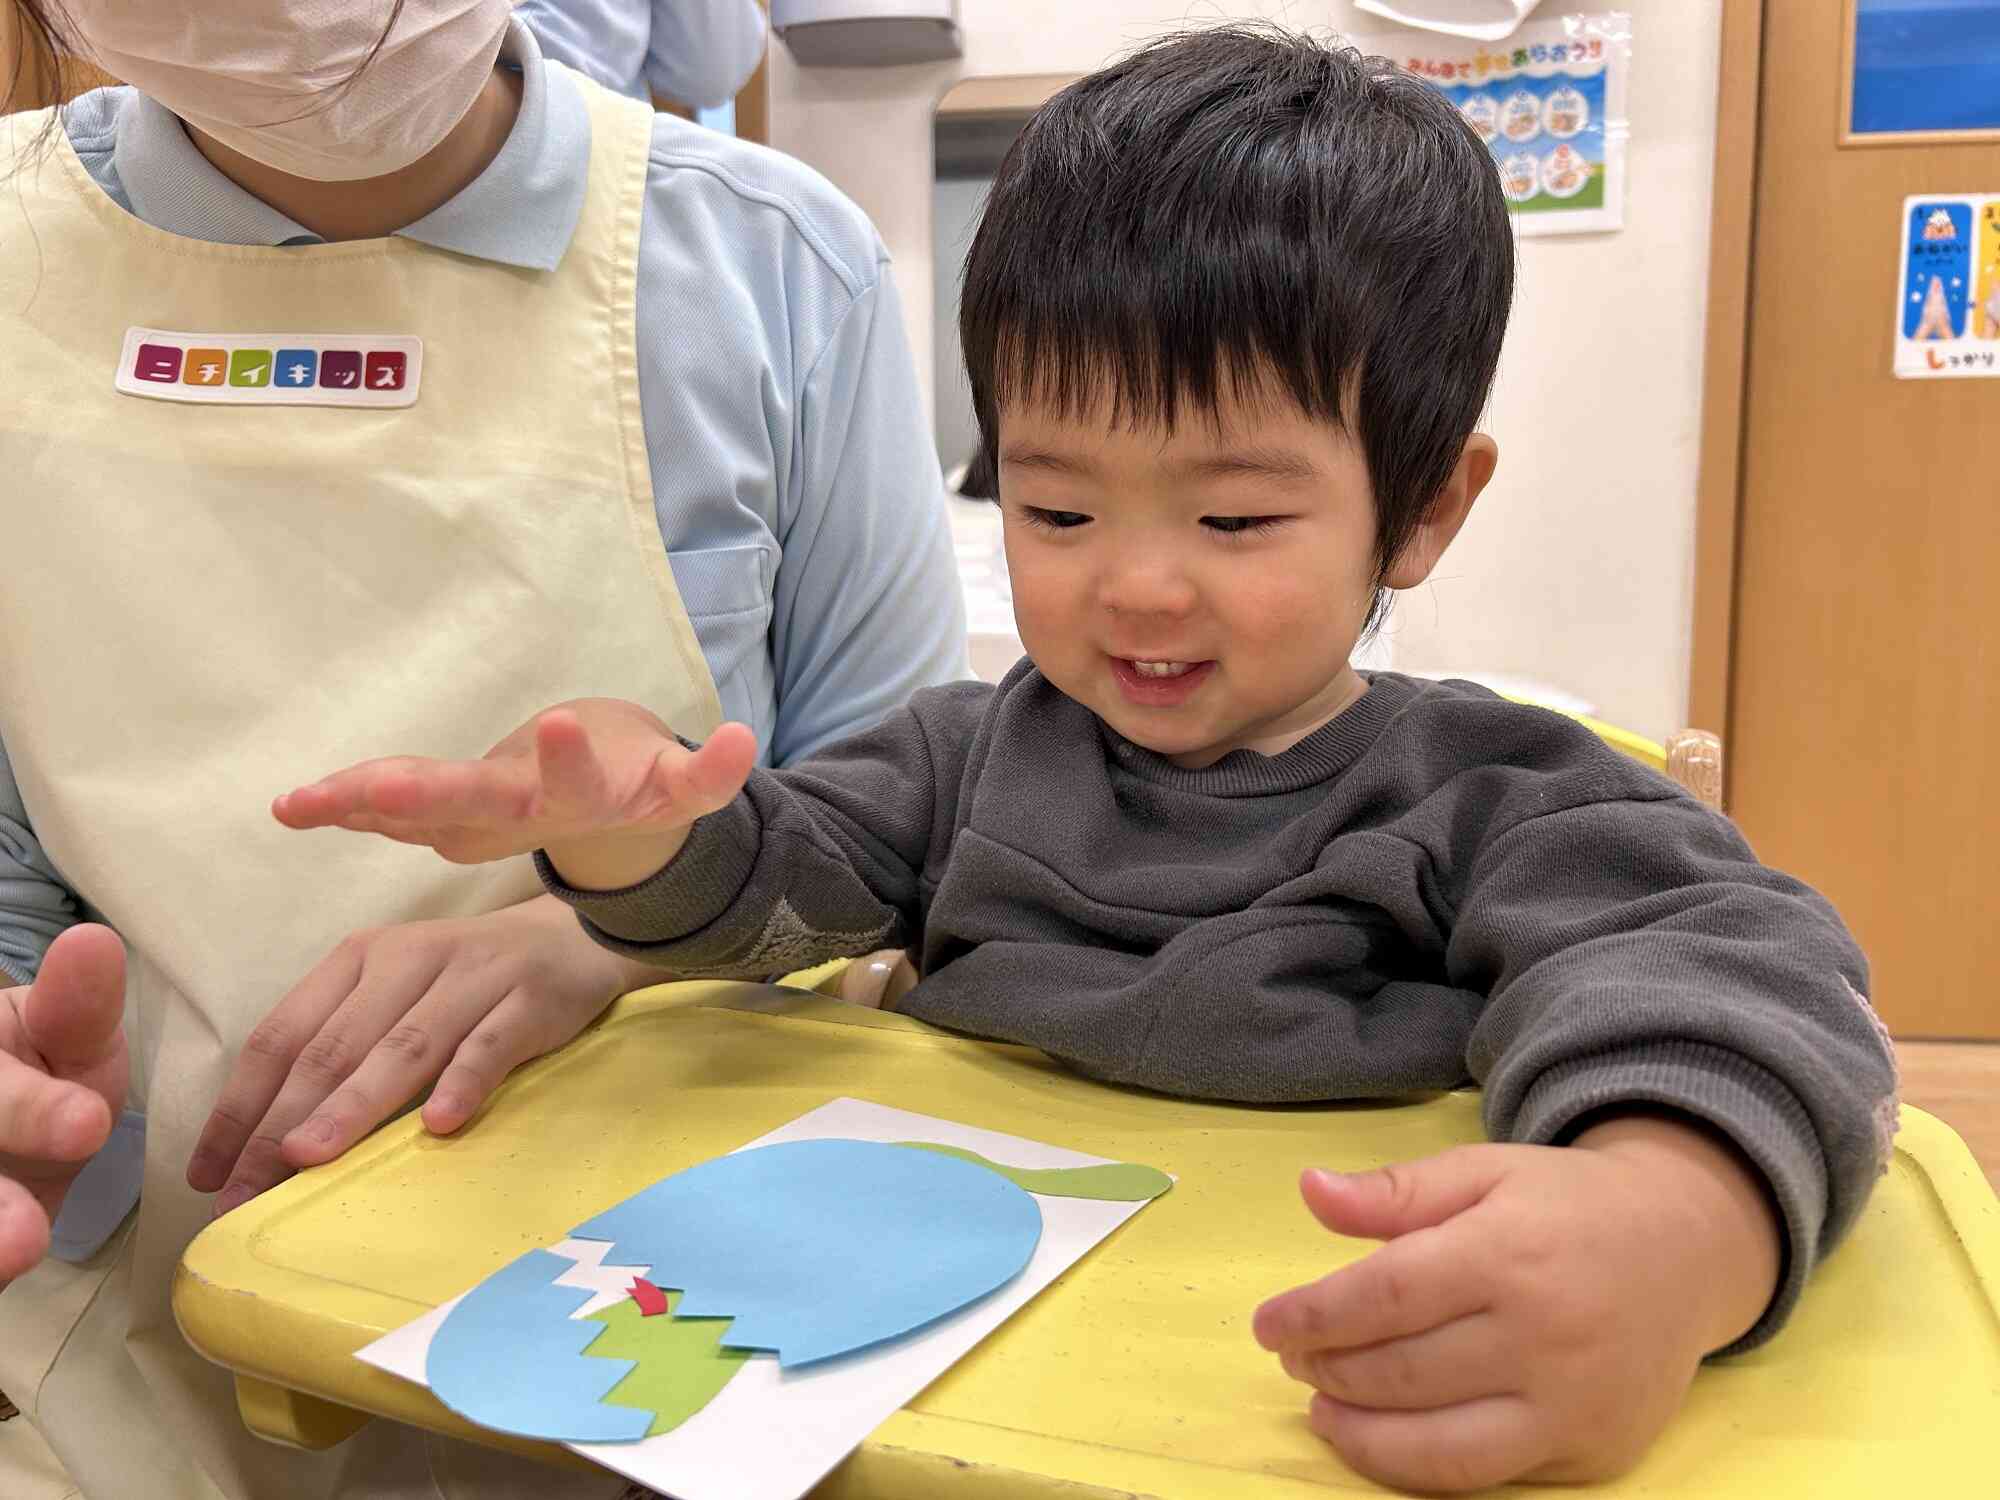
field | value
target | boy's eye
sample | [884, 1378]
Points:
[1055, 520]
[1241, 525]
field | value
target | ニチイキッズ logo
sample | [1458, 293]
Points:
[271, 369]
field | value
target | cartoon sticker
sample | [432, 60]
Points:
[1948, 296]
[1482, 113]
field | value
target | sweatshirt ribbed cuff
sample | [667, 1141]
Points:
[695, 887]
[1727, 1091]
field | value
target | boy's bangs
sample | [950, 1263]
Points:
[1152, 355]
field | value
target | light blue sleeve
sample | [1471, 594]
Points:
[35, 904]
[696, 52]
[794, 475]
[605, 40]
[868, 602]
[703, 51]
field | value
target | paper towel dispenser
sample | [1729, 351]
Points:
[851, 33]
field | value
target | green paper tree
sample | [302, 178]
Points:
[681, 1362]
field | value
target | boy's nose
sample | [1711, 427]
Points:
[1141, 585]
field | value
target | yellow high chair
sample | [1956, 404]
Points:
[1135, 1374]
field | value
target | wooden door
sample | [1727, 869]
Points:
[1864, 703]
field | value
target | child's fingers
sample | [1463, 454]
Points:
[1460, 1361]
[708, 780]
[1420, 1282]
[435, 792]
[1404, 1196]
[572, 774]
[324, 803]
[442, 802]
[1471, 1446]
[303, 807]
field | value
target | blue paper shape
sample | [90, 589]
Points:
[510, 1356]
[820, 1248]
[814, 1248]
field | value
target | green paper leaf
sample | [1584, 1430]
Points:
[1115, 1182]
[682, 1365]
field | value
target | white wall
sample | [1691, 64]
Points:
[1577, 569]
[955, 210]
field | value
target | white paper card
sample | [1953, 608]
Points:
[771, 1435]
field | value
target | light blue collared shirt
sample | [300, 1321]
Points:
[697, 52]
[796, 486]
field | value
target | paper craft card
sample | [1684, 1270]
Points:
[738, 1328]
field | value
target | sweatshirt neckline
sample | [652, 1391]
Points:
[1321, 755]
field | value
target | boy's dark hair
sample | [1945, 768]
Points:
[1243, 204]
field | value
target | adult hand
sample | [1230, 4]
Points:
[599, 784]
[1537, 1313]
[460, 1002]
[63, 1075]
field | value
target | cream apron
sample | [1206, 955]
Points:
[205, 605]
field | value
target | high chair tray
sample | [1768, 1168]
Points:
[1133, 1375]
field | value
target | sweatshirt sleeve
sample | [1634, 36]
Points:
[1634, 951]
[829, 858]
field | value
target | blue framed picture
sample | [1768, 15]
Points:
[1923, 67]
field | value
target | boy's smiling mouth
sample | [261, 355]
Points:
[1158, 683]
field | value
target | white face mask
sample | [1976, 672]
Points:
[268, 77]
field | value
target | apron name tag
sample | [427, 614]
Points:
[271, 369]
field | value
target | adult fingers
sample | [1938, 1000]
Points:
[385, 992]
[71, 1013]
[514, 1033]
[1419, 1282]
[1460, 1361]
[1470, 1446]
[24, 1230]
[44, 1119]
[408, 1057]
[261, 1068]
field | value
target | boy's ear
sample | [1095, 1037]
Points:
[1476, 461]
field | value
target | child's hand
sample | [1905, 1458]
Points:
[601, 785]
[1538, 1312]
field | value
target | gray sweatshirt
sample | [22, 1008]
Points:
[1439, 885]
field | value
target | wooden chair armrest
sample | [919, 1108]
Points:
[1694, 759]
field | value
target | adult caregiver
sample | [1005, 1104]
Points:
[369, 381]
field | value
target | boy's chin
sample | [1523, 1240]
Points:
[1190, 748]
[1192, 742]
